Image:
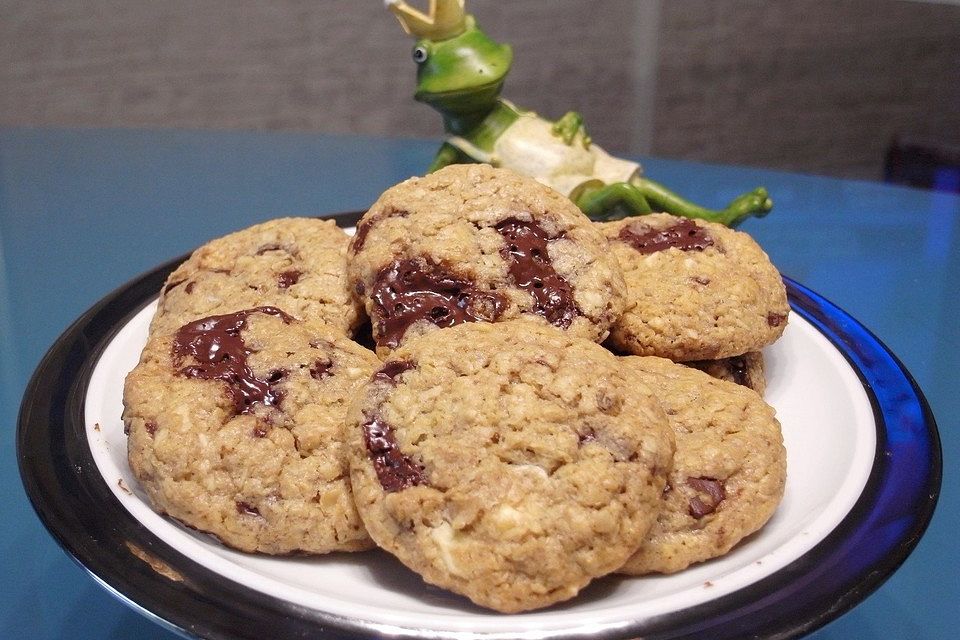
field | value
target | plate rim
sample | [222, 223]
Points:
[198, 604]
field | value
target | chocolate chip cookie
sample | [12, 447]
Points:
[471, 243]
[511, 463]
[696, 290]
[235, 427]
[297, 264]
[728, 472]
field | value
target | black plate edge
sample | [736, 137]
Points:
[138, 580]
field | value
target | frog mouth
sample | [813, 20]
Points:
[478, 92]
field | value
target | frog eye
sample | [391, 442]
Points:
[420, 54]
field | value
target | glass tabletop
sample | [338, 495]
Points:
[84, 211]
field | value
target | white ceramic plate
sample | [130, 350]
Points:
[819, 401]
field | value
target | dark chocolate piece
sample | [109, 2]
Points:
[395, 470]
[217, 347]
[247, 509]
[277, 375]
[685, 235]
[175, 283]
[150, 426]
[321, 369]
[288, 278]
[391, 370]
[531, 270]
[713, 489]
[775, 319]
[409, 290]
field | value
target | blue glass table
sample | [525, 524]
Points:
[82, 212]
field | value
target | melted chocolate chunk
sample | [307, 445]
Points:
[288, 278]
[216, 345]
[713, 489]
[150, 426]
[321, 369]
[247, 509]
[391, 370]
[685, 235]
[775, 319]
[395, 471]
[360, 238]
[260, 431]
[406, 291]
[532, 271]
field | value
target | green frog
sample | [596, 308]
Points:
[460, 73]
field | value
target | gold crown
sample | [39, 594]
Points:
[445, 19]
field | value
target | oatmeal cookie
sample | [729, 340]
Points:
[296, 264]
[728, 472]
[746, 370]
[235, 427]
[473, 243]
[511, 463]
[696, 290]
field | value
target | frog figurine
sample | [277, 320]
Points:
[460, 72]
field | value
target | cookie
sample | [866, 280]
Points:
[472, 243]
[296, 264]
[746, 370]
[728, 471]
[511, 463]
[696, 290]
[235, 426]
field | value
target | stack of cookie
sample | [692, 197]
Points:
[501, 442]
